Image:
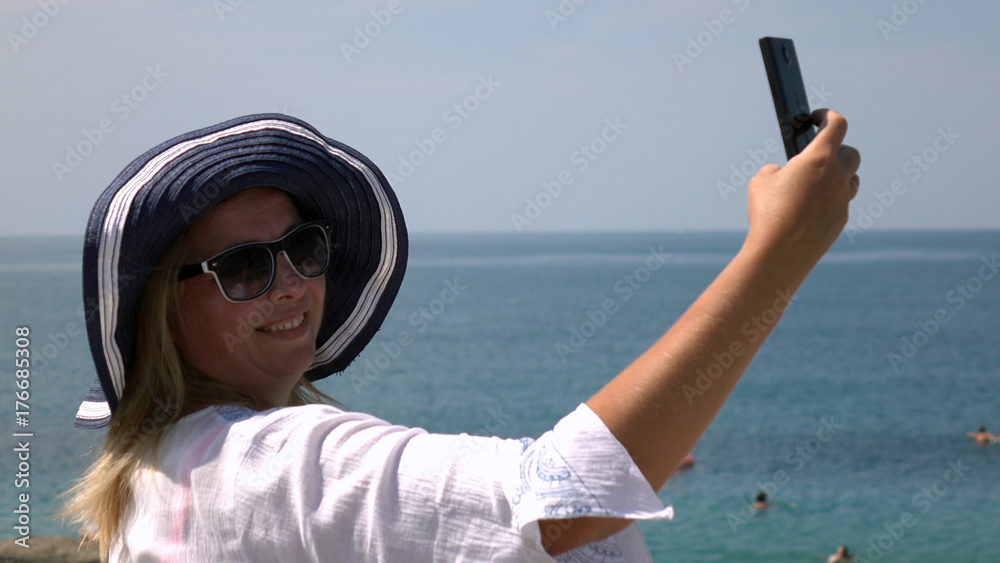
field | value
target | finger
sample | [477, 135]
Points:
[832, 127]
[849, 158]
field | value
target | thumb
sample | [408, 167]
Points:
[768, 169]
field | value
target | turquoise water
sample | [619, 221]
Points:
[855, 448]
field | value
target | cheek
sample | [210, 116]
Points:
[318, 288]
[201, 322]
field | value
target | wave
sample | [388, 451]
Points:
[597, 258]
[683, 258]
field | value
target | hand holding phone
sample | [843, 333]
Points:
[789, 93]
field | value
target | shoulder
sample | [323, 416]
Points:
[279, 449]
[244, 423]
[322, 437]
[300, 419]
[244, 416]
[233, 427]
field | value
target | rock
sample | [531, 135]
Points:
[50, 549]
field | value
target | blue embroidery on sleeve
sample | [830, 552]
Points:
[547, 477]
[233, 413]
[604, 551]
[549, 480]
[525, 442]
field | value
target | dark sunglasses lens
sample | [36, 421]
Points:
[309, 251]
[245, 273]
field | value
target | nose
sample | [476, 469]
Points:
[288, 284]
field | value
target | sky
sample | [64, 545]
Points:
[508, 116]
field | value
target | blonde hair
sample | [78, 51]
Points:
[160, 390]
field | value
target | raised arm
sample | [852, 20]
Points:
[661, 404]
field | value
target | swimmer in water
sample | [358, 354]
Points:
[983, 437]
[842, 556]
[761, 501]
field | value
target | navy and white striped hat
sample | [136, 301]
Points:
[165, 190]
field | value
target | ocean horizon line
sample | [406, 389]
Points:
[529, 234]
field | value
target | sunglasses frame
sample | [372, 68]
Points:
[273, 247]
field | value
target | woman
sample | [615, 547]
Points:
[226, 269]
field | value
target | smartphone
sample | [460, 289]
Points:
[789, 93]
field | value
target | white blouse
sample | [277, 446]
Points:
[314, 483]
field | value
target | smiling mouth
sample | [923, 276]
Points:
[294, 323]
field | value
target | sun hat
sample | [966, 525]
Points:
[166, 189]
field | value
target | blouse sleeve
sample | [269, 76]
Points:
[580, 469]
[315, 484]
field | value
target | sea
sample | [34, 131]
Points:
[853, 418]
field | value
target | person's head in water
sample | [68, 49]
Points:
[760, 499]
[982, 430]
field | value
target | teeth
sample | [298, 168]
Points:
[294, 323]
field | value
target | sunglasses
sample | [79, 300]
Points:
[246, 271]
